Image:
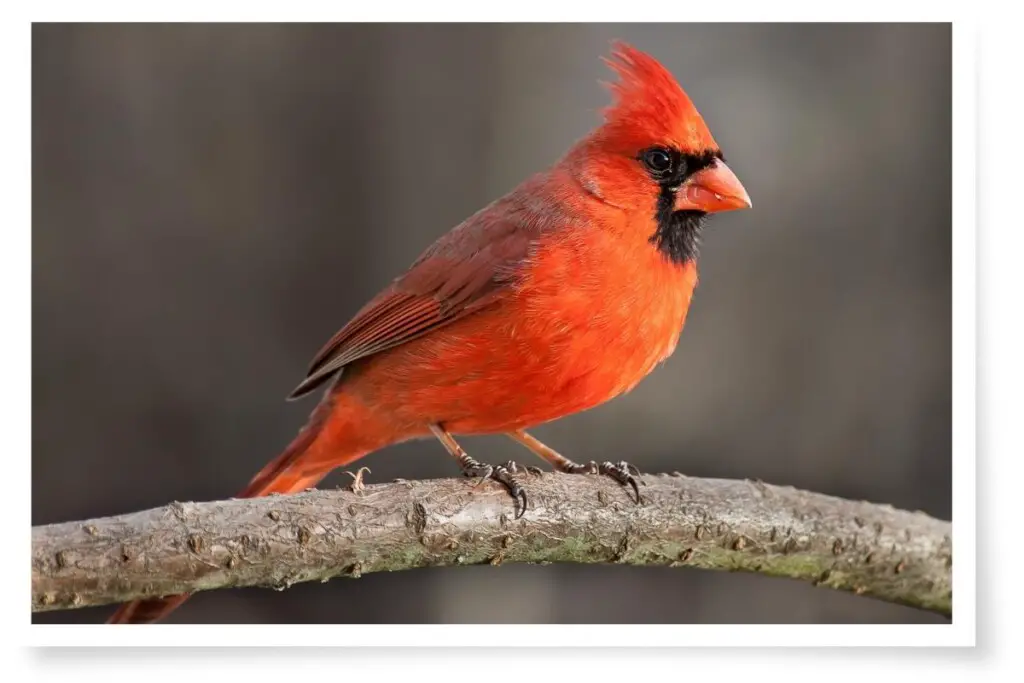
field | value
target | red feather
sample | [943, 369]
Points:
[464, 271]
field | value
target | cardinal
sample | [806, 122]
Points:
[555, 298]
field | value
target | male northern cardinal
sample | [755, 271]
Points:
[559, 296]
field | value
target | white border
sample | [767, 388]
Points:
[962, 629]
[964, 332]
[488, 635]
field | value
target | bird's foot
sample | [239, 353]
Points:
[503, 475]
[622, 472]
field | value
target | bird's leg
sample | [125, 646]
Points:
[621, 472]
[474, 468]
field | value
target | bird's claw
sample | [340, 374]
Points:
[503, 475]
[484, 472]
[622, 472]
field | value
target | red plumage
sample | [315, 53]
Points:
[648, 103]
[554, 299]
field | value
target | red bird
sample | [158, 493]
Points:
[557, 297]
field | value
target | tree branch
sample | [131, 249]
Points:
[865, 548]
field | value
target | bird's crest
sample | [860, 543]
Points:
[649, 101]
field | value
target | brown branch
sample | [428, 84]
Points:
[861, 547]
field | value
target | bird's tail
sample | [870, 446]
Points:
[292, 471]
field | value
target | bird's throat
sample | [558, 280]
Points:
[678, 233]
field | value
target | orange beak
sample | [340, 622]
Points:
[711, 190]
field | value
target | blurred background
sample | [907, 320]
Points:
[211, 202]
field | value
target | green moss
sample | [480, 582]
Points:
[723, 555]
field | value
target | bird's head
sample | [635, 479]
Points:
[654, 153]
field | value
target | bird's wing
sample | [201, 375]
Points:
[464, 271]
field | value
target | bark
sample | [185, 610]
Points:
[869, 549]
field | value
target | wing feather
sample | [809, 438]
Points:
[466, 270]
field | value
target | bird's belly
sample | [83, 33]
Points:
[552, 348]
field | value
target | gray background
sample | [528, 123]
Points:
[210, 203]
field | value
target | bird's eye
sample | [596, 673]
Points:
[658, 161]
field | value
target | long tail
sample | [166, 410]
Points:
[290, 472]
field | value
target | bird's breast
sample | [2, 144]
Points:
[590, 314]
[598, 312]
